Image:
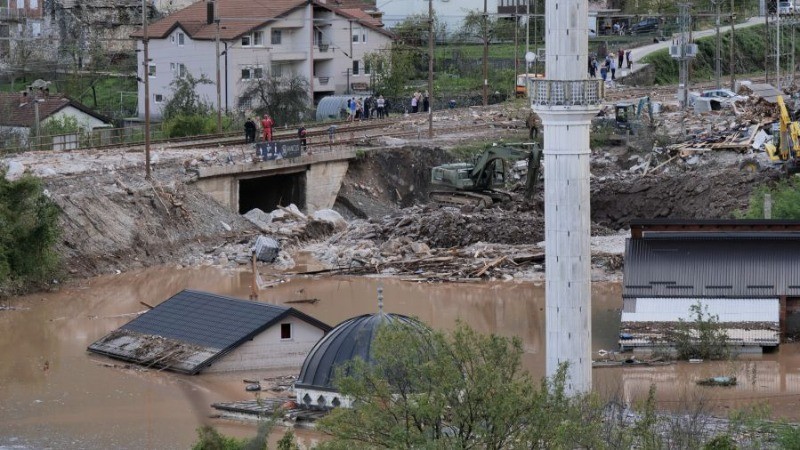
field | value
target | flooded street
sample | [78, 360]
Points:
[53, 394]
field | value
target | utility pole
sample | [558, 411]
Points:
[778, 49]
[733, 44]
[146, 72]
[431, 37]
[485, 53]
[766, 45]
[718, 49]
[219, 86]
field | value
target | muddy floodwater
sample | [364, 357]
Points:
[53, 394]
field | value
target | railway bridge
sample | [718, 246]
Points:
[310, 181]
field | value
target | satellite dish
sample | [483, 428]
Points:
[530, 57]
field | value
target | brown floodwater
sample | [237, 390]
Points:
[53, 394]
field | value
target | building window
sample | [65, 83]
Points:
[355, 35]
[181, 38]
[363, 35]
[367, 68]
[286, 331]
[258, 38]
[276, 37]
[181, 70]
[246, 40]
[276, 70]
[151, 70]
[158, 98]
[172, 38]
[252, 73]
[355, 67]
[172, 68]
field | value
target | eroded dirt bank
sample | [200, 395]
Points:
[116, 220]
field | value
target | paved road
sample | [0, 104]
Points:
[640, 52]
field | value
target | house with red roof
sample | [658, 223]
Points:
[19, 112]
[324, 41]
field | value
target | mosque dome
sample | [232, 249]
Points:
[348, 340]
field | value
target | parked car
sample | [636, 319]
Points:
[724, 95]
[649, 25]
[785, 7]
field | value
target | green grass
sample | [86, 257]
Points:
[116, 96]
[749, 57]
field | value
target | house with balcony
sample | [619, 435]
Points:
[315, 39]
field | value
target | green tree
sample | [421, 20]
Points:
[185, 100]
[60, 125]
[392, 69]
[28, 233]
[462, 390]
[284, 98]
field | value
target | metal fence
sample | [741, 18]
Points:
[98, 137]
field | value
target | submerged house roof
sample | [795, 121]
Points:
[712, 265]
[192, 329]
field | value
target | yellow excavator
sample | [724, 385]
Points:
[785, 146]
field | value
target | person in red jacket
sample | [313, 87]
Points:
[266, 125]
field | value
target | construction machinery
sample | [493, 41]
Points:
[478, 184]
[785, 146]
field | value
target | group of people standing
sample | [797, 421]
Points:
[610, 64]
[367, 108]
[267, 124]
[419, 99]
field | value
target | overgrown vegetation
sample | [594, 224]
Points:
[284, 98]
[750, 48]
[703, 337]
[208, 438]
[28, 233]
[785, 201]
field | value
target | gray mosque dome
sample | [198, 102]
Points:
[348, 340]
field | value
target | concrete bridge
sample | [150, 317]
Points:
[310, 181]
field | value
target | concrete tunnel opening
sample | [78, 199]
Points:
[266, 193]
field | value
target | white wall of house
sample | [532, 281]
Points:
[449, 12]
[171, 58]
[256, 55]
[86, 121]
[269, 351]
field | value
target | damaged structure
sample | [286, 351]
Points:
[197, 331]
[742, 271]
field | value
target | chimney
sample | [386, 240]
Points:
[210, 12]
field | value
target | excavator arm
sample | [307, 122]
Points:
[789, 134]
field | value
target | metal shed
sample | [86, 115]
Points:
[744, 272]
[331, 107]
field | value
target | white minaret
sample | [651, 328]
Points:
[566, 100]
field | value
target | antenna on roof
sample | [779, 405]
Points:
[380, 299]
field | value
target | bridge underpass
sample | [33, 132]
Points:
[311, 182]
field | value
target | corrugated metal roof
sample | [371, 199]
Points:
[190, 330]
[727, 309]
[713, 268]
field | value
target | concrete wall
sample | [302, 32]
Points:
[322, 184]
[269, 351]
[324, 175]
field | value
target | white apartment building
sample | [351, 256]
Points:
[279, 38]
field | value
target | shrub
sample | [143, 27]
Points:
[28, 232]
[701, 338]
[785, 201]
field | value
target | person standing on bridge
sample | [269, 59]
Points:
[381, 102]
[301, 134]
[266, 124]
[249, 131]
